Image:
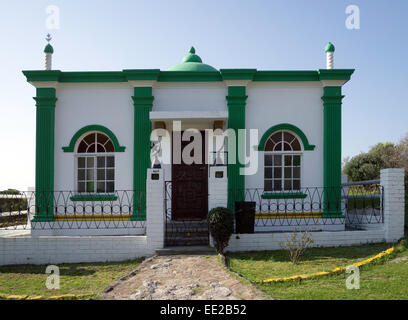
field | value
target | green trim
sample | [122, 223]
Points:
[141, 74]
[94, 197]
[93, 127]
[236, 101]
[283, 195]
[48, 49]
[287, 75]
[335, 74]
[44, 155]
[332, 150]
[143, 103]
[289, 127]
[188, 75]
[329, 47]
[237, 74]
[42, 75]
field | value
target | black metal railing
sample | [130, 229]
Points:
[355, 206]
[182, 232]
[70, 210]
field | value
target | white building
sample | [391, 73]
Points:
[94, 140]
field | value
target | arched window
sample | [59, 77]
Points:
[95, 164]
[282, 162]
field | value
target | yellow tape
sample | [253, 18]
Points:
[334, 271]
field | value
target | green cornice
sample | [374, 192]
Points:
[335, 74]
[291, 75]
[93, 76]
[141, 74]
[93, 127]
[289, 127]
[187, 76]
[237, 74]
[42, 75]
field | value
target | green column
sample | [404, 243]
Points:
[332, 151]
[143, 102]
[236, 101]
[44, 156]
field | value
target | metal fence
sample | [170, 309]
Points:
[355, 205]
[70, 210]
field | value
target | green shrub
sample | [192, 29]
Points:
[221, 225]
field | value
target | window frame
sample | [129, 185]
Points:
[282, 153]
[93, 155]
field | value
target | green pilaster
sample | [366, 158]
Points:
[236, 101]
[143, 102]
[44, 156]
[332, 151]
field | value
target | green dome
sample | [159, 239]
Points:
[192, 62]
[329, 47]
[48, 49]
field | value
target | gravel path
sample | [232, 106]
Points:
[182, 278]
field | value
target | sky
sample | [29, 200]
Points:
[267, 35]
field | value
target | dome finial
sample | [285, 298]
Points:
[192, 50]
[48, 50]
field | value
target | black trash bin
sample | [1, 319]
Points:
[245, 216]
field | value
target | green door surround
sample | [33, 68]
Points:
[236, 102]
[332, 100]
[143, 102]
[44, 154]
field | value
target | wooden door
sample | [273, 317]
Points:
[190, 186]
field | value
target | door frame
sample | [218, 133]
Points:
[206, 195]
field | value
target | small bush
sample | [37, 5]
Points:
[297, 244]
[221, 225]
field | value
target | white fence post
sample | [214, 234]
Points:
[218, 187]
[155, 211]
[392, 180]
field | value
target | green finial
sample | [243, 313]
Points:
[48, 48]
[191, 56]
[192, 62]
[329, 47]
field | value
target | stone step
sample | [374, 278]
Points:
[186, 242]
[193, 250]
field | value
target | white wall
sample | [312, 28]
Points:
[73, 249]
[200, 96]
[300, 104]
[271, 241]
[83, 104]
[182, 96]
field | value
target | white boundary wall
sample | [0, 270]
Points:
[270, 241]
[72, 249]
[26, 249]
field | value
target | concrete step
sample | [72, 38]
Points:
[187, 234]
[187, 242]
[193, 250]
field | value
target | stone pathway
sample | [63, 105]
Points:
[182, 278]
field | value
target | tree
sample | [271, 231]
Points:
[367, 166]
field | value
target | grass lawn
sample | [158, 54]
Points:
[381, 280]
[80, 278]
